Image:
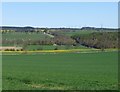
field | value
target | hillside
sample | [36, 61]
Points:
[30, 29]
[38, 38]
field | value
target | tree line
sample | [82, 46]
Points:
[100, 40]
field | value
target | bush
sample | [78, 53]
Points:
[6, 49]
[56, 48]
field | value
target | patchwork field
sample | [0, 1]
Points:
[61, 71]
[59, 46]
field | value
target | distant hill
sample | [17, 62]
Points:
[31, 29]
[18, 28]
[98, 29]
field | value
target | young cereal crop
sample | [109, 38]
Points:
[60, 71]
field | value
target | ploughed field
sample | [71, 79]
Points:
[60, 71]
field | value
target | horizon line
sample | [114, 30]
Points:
[55, 27]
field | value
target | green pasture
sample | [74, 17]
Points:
[61, 71]
[24, 36]
[52, 47]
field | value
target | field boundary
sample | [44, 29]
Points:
[62, 51]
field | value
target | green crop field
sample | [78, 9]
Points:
[24, 36]
[52, 47]
[61, 71]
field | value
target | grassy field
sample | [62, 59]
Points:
[40, 35]
[23, 35]
[60, 71]
[52, 47]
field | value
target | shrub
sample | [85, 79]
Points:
[56, 48]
